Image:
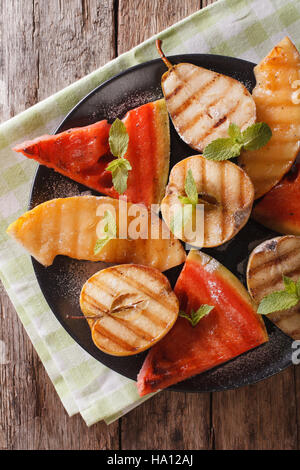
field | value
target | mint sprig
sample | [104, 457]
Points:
[109, 231]
[189, 201]
[254, 137]
[118, 143]
[195, 317]
[190, 188]
[281, 300]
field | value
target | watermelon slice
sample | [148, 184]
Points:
[229, 330]
[279, 209]
[83, 154]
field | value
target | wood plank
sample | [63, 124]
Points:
[74, 37]
[167, 421]
[170, 421]
[261, 417]
[137, 21]
[44, 48]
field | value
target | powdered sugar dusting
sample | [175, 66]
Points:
[212, 265]
[129, 101]
[70, 277]
[215, 291]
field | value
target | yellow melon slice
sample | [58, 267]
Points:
[68, 226]
[277, 104]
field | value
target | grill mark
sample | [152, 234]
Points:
[279, 259]
[103, 286]
[175, 91]
[113, 338]
[290, 313]
[154, 319]
[183, 106]
[220, 121]
[209, 131]
[200, 91]
[139, 332]
[94, 303]
[137, 285]
[273, 282]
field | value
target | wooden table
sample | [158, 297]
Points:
[43, 49]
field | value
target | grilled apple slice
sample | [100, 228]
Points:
[68, 226]
[203, 103]
[224, 189]
[276, 78]
[133, 305]
[267, 263]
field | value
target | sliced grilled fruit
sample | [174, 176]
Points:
[225, 191]
[68, 226]
[279, 209]
[203, 103]
[230, 329]
[133, 305]
[267, 263]
[276, 76]
[83, 154]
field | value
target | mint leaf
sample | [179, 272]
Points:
[180, 218]
[298, 287]
[118, 138]
[276, 301]
[200, 313]
[184, 199]
[290, 285]
[222, 149]
[118, 143]
[119, 169]
[100, 243]
[252, 138]
[256, 136]
[191, 188]
[234, 132]
[195, 317]
[283, 299]
[109, 229]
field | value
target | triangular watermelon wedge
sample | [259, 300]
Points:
[230, 329]
[83, 154]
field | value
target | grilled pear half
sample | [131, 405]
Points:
[225, 192]
[203, 103]
[129, 308]
[267, 263]
[278, 104]
[68, 226]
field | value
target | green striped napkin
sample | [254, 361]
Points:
[242, 28]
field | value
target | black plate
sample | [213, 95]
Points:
[61, 283]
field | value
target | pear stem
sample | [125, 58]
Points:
[158, 44]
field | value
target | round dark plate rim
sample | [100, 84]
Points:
[176, 59]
